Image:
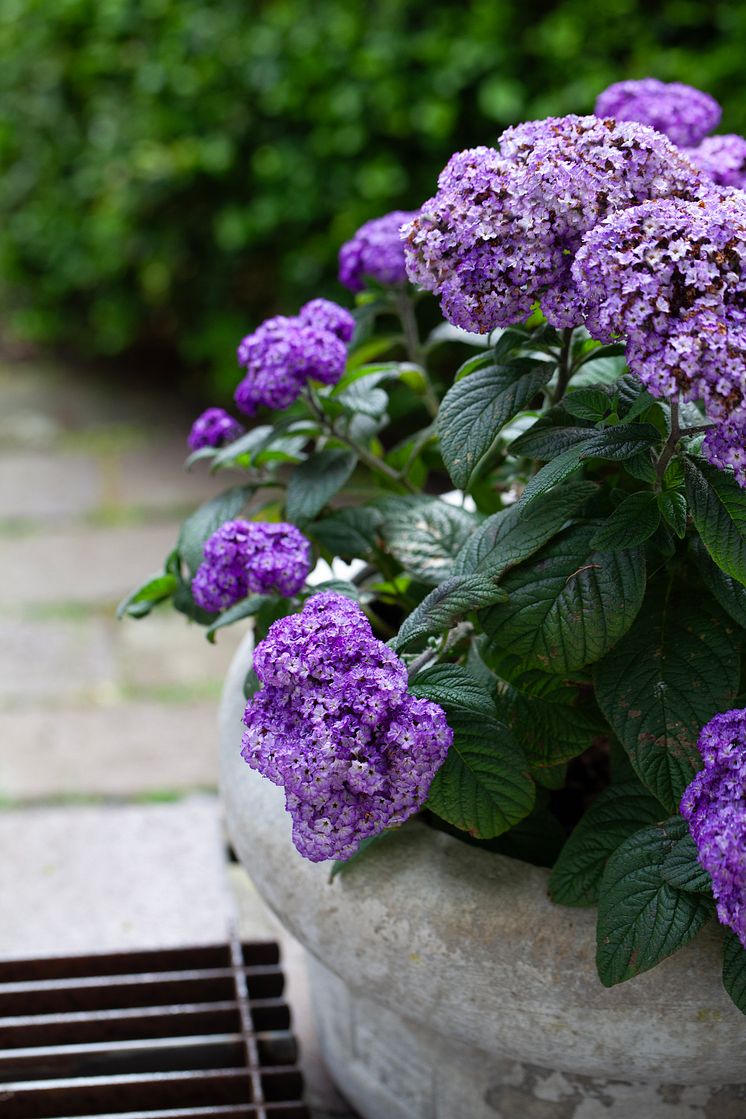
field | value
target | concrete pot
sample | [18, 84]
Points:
[448, 986]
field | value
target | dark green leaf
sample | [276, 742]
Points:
[244, 609]
[729, 593]
[641, 918]
[548, 733]
[734, 970]
[474, 411]
[141, 601]
[718, 507]
[676, 668]
[512, 535]
[672, 505]
[315, 481]
[251, 685]
[570, 604]
[246, 444]
[349, 533]
[682, 869]
[206, 520]
[631, 523]
[616, 813]
[426, 536]
[446, 604]
[484, 786]
[554, 432]
[590, 403]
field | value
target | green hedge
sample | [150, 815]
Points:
[172, 170]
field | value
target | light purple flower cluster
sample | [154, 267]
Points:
[714, 805]
[725, 445]
[213, 428]
[683, 113]
[505, 224]
[250, 557]
[335, 726]
[722, 158]
[670, 276]
[285, 352]
[376, 251]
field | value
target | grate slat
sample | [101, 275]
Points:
[187, 1034]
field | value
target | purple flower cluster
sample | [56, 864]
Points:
[335, 726]
[683, 113]
[376, 251]
[722, 158]
[670, 276]
[725, 445]
[505, 224]
[714, 805]
[285, 352]
[213, 428]
[250, 557]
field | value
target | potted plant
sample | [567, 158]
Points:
[509, 721]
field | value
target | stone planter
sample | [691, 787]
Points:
[448, 986]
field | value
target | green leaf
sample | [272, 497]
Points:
[315, 481]
[729, 593]
[446, 604]
[349, 533]
[553, 433]
[616, 813]
[734, 970]
[718, 507]
[613, 444]
[673, 507]
[676, 668]
[484, 786]
[512, 535]
[683, 870]
[641, 918]
[246, 444]
[426, 535]
[141, 601]
[570, 604]
[590, 403]
[206, 520]
[631, 523]
[244, 609]
[474, 411]
[548, 733]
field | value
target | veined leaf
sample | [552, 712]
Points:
[315, 481]
[425, 536]
[206, 520]
[446, 604]
[734, 970]
[631, 523]
[683, 870]
[718, 507]
[548, 733]
[244, 609]
[728, 592]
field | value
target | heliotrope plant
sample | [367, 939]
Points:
[534, 638]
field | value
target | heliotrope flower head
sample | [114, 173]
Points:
[683, 113]
[250, 557]
[725, 445]
[722, 159]
[284, 353]
[714, 805]
[335, 726]
[213, 428]
[504, 226]
[326, 315]
[670, 277]
[375, 252]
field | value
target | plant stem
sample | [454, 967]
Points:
[670, 446]
[404, 305]
[565, 366]
[459, 632]
[371, 461]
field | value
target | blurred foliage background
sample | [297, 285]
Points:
[173, 170]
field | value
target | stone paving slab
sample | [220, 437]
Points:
[48, 662]
[127, 749]
[49, 486]
[108, 879]
[165, 650]
[81, 563]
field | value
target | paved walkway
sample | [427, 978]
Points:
[110, 831]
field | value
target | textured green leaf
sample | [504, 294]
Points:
[718, 507]
[484, 786]
[446, 604]
[426, 536]
[570, 604]
[141, 601]
[683, 870]
[315, 481]
[512, 535]
[349, 533]
[631, 523]
[474, 411]
[612, 443]
[673, 507]
[553, 432]
[244, 609]
[616, 813]
[590, 403]
[641, 918]
[548, 733]
[676, 668]
[729, 592]
[734, 970]
[206, 520]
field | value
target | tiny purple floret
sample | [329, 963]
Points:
[250, 557]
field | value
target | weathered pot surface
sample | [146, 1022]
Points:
[444, 970]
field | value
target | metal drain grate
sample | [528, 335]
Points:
[177, 1034]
